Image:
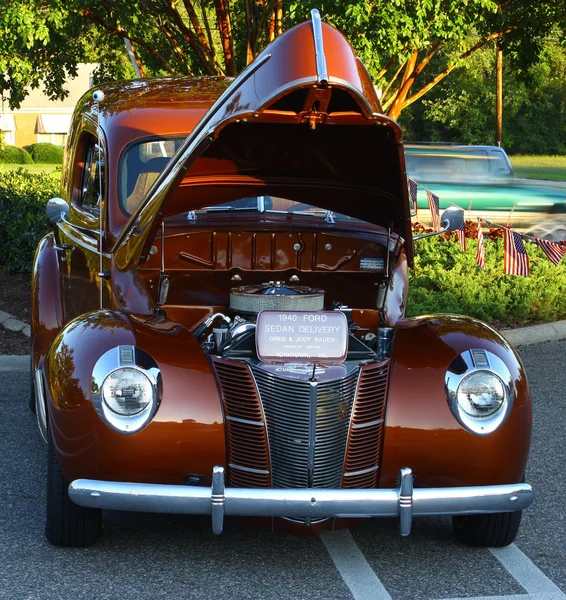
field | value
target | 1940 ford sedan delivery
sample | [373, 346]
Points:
[218, 318]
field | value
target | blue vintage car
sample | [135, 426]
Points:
[480, 179]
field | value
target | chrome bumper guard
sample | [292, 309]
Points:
[219, 500]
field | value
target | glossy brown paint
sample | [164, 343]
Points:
[187, 432]
[46, 306]
[421, 431]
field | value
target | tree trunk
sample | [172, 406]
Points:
[225, 29]
[499, 92]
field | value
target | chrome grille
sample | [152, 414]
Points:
[307, 425]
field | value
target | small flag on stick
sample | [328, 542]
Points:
[554, 252]
[480, 255]
[516, 260]
[434, 206]
[461, 232]
[413, 193]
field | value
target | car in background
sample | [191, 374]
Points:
[474, 165]
[480, 180]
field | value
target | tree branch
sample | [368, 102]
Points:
[90, 16]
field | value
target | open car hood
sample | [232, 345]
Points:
[303, 121]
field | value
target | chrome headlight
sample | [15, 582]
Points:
[478, 389]
[126, 388]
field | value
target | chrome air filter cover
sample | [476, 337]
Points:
[275, 295]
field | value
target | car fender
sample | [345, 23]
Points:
[46, 312]
[422, 433]
[186, 435]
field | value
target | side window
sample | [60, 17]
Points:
[92, 184]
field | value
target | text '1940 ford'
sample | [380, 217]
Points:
[218, 318]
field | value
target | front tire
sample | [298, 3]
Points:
[491, 530]
[67, 524]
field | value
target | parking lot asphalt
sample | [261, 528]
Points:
[145, 556]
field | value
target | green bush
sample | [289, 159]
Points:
[445, 280]
[15, 156]
[23, 221]
[48, 154]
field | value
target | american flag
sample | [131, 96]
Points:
[434, 206]
[516, 260]
[553, 251]
[461, 233]
[413, 193]
[480, 254]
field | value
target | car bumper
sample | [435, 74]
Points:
[217, 501]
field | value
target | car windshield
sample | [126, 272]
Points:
[140, 166]
[456, 163]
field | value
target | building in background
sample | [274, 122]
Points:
[42, 120]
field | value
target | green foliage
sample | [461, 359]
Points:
[23, 221]
[14, 156]
[48, 154]
[403, 43]
[462, 108]
[445, 280]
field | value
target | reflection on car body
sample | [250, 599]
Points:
[224, 331]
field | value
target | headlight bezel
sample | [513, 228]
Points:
[466, 364]
[117, 359]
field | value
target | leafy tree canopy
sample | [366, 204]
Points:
[404, 43]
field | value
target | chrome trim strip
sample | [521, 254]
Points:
[361, 472]
[321, 70]
[370, 424]
[245, 421]
[80, 227]
[248, 469]
[40, 408]
[218, 501]
[86, 242]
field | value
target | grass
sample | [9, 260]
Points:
[34, 168]
[550, 168]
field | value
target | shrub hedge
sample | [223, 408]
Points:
[45, 153]
[23, 221]
[445, 280]
[14, 156]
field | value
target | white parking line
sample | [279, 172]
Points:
[542, 596]
[353, 567]
[525, 572]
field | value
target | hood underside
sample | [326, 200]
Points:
[291, 125]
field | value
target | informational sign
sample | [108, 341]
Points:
[302, 336]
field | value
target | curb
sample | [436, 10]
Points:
[535, 334]
[14, 363]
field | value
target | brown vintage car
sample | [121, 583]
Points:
[218, 318]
